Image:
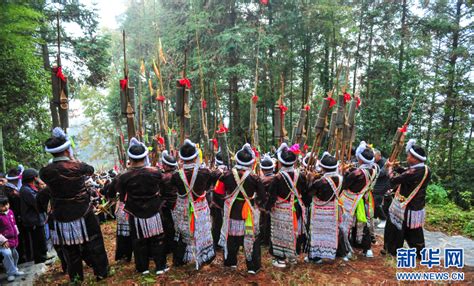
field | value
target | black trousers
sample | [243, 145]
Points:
[233, 246]
[92, 252]
[366, 242]
[22, 244]
[341, 246]
[265, 228]
[394, 238]
[168, 227]
[378, 209]
[58, 248]
[217, 220]
[124, 248]
[179, 252]
[36, 248]
[387, 201]
[62, 259]
[146, 248]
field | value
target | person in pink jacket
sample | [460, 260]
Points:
[9, 240]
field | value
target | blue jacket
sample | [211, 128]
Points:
[30, 215]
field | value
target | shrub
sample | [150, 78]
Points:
[436, 195]
[469, 229]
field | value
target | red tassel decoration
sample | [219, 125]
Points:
[264, 2]
[403, 129]
[358, 102]
[331, 100]
[307, 107]
[255, 99]
[222, 129]
[185, 82]
[59, 73]
[257, 154]
[283, 109]
[347, 97]
[160, 140]
[215, 143]
[123, 83]
[204, 104]
[160, 98]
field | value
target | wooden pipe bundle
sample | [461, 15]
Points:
[127, 96]
[320, 129]
[399, 138]
[350, 130]
[182, 107]
[60, 103]
[299, 132]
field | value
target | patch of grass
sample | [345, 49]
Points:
[450, 219]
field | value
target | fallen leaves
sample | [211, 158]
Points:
[380, 269]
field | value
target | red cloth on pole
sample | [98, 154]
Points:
[123, 83]
[347, 97]
[185, 82]
[255, 99]
[59, 74]
[331, 100]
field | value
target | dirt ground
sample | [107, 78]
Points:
[360, 270]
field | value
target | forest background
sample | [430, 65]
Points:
[397, 51]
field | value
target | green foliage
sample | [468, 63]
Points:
[87, 51]
[436, 195]
[391, 64]
[461, 184]
[24, 83]
[451, 219]
[469, 229]
[27, 32]
[95, 53]
[99, 132]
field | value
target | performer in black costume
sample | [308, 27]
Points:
[76, 228]
[139, 189]
[244, 196]
[407, 210]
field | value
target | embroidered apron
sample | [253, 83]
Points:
[349, 202]
[123, 226]
[193, 223]
[248, 227]
[285, 226]
[415, 219]
[324, 229]
[370, 202]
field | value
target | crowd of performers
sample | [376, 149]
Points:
[187, 210]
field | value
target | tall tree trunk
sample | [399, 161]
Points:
[272, 71]
[232, 80]
[432, 109]
[448, 121]
[291, 100]
[229, 106]
[401, 50]
[307, 69]
[325, 74]
[334, 54]
[47, 67]
[369, 60]
[357, 58]
[468, 145]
